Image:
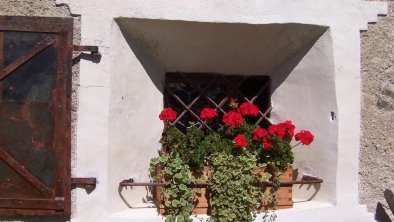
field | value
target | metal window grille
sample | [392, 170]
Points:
[189, 93]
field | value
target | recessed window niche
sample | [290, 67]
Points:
[297, 58]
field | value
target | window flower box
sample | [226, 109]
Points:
[247, 164]
[201, 200]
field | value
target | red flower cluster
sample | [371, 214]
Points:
[233, 118]
[305, 137]
[259, 133]
[285, 129]
[208, 113]
[168, 114]
[267, 144]
[248, 109]
[240, 141]
[276, 130]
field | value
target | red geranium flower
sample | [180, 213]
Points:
[305, 137]
[267, 144]
[233, 118]
[208, 113]
[248, 109]
[259, 133]
[168, 114]
[240, 141]
[277, 130]
[288, 127]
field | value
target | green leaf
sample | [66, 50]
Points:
[175, 203]
[182, 187]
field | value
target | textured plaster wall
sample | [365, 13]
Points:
[49, 8]
[377, 141]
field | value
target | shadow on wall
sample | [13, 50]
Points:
[152, 68]
[284, 70]
[381, 214]
[225, 48]
[315, 187]
[148, 198]
[35, 218]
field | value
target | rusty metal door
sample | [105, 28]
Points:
[35, 88]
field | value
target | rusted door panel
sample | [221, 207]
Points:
[32, 145]
[15, 186]
[35, 86]
[36, 78]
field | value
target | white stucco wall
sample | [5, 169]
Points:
[307, 97]
[120, 98]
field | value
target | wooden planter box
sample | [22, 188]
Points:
[284, 196]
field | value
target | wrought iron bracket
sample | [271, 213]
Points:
[94, 50]
[89, 184]
[131, 183]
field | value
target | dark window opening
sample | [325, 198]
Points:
[189, 93]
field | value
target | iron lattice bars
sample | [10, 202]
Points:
[189, 93]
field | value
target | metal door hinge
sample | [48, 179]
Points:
[89, 184]
[94, 50]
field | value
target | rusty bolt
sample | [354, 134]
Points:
[59, 205]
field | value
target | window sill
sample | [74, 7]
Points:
[148, 212]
